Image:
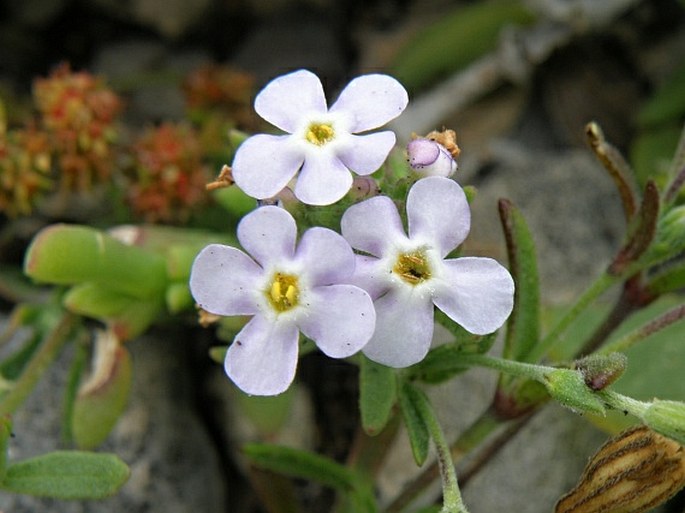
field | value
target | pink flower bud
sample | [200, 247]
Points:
[430, 158]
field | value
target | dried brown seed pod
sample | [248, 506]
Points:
[633, 472]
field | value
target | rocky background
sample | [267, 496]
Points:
[520, 128]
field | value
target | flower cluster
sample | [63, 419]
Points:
[25, 162]
[380, 300]
[78, 112]
[169, 175]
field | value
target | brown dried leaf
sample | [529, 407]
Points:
[633, 472]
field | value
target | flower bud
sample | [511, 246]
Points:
[667, 418]
[600, 371]
[430, 158]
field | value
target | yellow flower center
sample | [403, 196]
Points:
[320, 133]
[413, 267]
[283, 293]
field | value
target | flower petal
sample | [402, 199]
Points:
[341, 319]
[323, 179]
[437, 212]
[477, 293]
[372, 225]
[264, 164]
[404, 329]
[263, 357]
[326, 256]
[371, 276]
[371, 101]
[364, 154]
[222, 281]
[268, 234]
[287, 99]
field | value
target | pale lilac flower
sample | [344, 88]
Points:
[320, 143]
[407, 275]
[430, 158]
[288, 288]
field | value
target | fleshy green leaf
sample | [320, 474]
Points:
[95, 300]
[419, 436]
[68, 254]
[457, 39]
[523, 327]
[127, 315]
[378, 392]
[301, 464]
[178, 298]
[102, 400]
[67, 475]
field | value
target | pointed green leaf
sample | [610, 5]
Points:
[5, 434]
[458, 38]
[301, 464]
[68, 254]
[523, 326]
[67, 475]
[377, 395]
[419, 437]
[668, 103]
[651, 152]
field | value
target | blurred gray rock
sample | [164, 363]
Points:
[174, 465]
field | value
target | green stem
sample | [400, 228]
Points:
[478, 431]
[602, 284]
[38, 364]
[623, 403]
[519, 369]
[451, 496]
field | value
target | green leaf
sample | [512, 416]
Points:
[68, 254]
[5, 434]
[457, 39]
[377, 395]
[97, 301]
[267, 413]
[419, 436]
[301, 464]
[178, 298]
[439, 365]
[668, 103]
[127, 315]
[235, 201]
[523, 326]
[67, 475]
[102, 400]
[651, 152]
